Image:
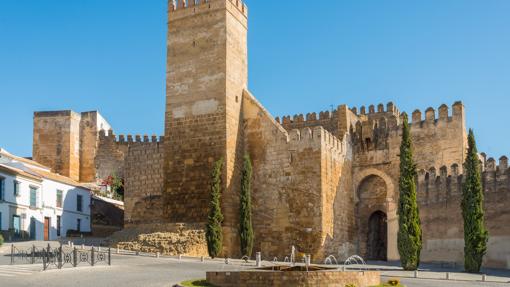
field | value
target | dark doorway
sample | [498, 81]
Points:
[377, 236]
[47, 224]
[32, 228]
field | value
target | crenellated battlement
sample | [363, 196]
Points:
[310, 117]
[433, 173]
[437, 185]
[490, 164]
[443, 115]
[390, 108]
[316, 137]
[194, 6]
[129, 139]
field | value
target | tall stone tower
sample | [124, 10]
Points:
[67, 142]
[206, 76]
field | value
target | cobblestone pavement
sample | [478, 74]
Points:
[129, 270]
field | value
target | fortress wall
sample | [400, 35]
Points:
[296, 178]
[337, 197]
[439, 140]
[266, 143]
[286, 183]
[138, 160]
[144, 183]
[439, 197]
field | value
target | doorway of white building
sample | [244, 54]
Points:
[16, 225]
[32, 228]
[47, 224]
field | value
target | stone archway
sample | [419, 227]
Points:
[377, 240]
[372, 194]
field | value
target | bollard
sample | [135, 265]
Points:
[109, 256]
[82, 246]
[157, 254]
[72, 244]
[180, 257]
[99, 248]
[69, 243]
[33, 255]
[12, 254]
[60, 263]
[75, 257]
[447, 275]
[92, 256]
[137, 253]
[259, 259]
[118, 251]
[415, 273]
[202, 259]
[484, 277]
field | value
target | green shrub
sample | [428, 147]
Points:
[246, 227]
[409, 237]
[475, 234]
[196, 283]
[214, 232]
[1, 240]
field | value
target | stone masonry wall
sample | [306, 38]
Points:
[439, 197]
[56, 141]
[207, 73]
[139, 161]
[296, 179]
[144, 183]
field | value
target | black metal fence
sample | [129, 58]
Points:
[60, 257]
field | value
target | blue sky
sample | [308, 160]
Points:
[109, 55]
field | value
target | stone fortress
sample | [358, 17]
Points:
[326, 183]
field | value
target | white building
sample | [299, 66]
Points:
[38, 204]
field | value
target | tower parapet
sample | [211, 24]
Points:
[183, 8]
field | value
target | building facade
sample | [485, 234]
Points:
[36, 204]
[326, 183]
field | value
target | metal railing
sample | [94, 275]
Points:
[60, 257]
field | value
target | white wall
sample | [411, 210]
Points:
[46, 206]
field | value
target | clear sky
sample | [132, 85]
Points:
[304, 56]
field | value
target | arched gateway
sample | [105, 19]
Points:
[377, 241]
[376, 216]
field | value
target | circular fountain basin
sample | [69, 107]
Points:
[294, 276]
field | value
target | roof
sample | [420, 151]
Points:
[59, 178]
[20, 172]
[22, 159]
[110, 200]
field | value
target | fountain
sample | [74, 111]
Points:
[298, 274]
[329, 260]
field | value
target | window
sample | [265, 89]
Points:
[33, 196]
[79, 203]
[2, 188]
[78, 225]
[16, 224]
[16, 188]
[59, 198]
[58, 225]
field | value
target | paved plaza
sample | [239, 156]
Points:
[131, 270]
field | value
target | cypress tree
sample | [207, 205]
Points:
[214, 232]
[409, 234]
[246, 228]
[475, 234]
